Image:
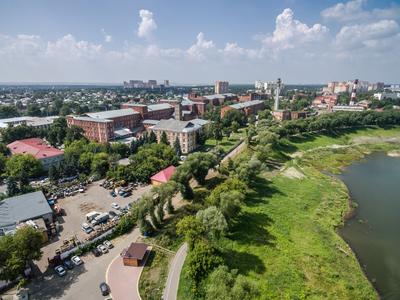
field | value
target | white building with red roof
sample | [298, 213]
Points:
[47, 154]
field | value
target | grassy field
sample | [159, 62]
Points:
[342, 137]
[285, 239]
[226, 143]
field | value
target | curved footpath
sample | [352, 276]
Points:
[171, 287]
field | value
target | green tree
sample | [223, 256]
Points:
[152, 137]
[199, 164]
[73, 133]
[12, 186]
[164, 138]
[7, 111]
[192, 229]
[22, 167]
[54, 173]
[100, 163]
[201, 260]
[177, 147]
[4, 149]
[120, 148]
[33, 110]
[223, 284]
[213, 221]
[18, 249]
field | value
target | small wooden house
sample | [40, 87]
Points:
[134, 255]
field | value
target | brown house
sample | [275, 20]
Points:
[134, 255]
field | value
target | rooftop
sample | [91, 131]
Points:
[34, 146]
[164, 175]
[136, 250]
[89, 119]
[175, 125]
[109, 114]
[160, 106]
[23, 207]
[246, 104]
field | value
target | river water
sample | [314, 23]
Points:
[374, 231]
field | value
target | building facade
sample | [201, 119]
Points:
[185, 131]
[248, 108]
[221, 87]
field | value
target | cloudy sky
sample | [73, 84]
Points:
[199, 41]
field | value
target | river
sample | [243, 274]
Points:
[374, 231]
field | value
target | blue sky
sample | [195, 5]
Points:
[199, 41]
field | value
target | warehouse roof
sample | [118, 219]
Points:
[160, 106]
[23, 207]
[109, 114]
[175, 125]
[246, 104]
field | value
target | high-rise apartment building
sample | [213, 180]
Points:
[221, 87]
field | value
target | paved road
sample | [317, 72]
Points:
[83, 281]
[171, 288]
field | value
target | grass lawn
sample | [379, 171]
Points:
[226, 143]
[342, 137]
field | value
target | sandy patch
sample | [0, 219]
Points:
[394, 153]
[293, 173]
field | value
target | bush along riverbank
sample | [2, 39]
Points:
[284, 242]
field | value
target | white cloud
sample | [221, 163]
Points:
[197, 51]
[290, 33]
[68, 48]
[107, 37]
[365, 35]
[353, 11]
[147, 24]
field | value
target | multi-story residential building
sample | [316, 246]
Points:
[386, 95]
[102, 126]
[221, 87]
[266, 87]
[248, 108]
[201, 102]
[185, 131]
[99, 130]
[39, 149]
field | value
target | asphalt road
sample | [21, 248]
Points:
[171, 288]
[83, 281]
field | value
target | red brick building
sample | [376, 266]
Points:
[248, 108]
[153, 111]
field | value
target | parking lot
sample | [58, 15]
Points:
[95, 198]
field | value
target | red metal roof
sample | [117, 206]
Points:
[136, 250]
[35, 146]
[164, 175]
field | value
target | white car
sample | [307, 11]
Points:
[76, 260]
[115, 205]
[108, 244]
[103, 249]
[60, 271]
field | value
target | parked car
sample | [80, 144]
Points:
[104, 289]
[115, 205]
[112, 193]
[60, 270]
[108, 244]
[86, 228]
[127, 194]
[68, 264]
[112, 214]
[76, 260]
[103, 249]
[96, 252]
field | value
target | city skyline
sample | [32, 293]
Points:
[199, 43]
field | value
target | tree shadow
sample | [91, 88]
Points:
[244, 262]
[50, 286]
[251, 228]
[260, 192]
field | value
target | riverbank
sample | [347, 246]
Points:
[286, 239]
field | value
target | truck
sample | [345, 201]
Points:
[92, 215]
[101, 218]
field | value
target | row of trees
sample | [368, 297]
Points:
[338, 120]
